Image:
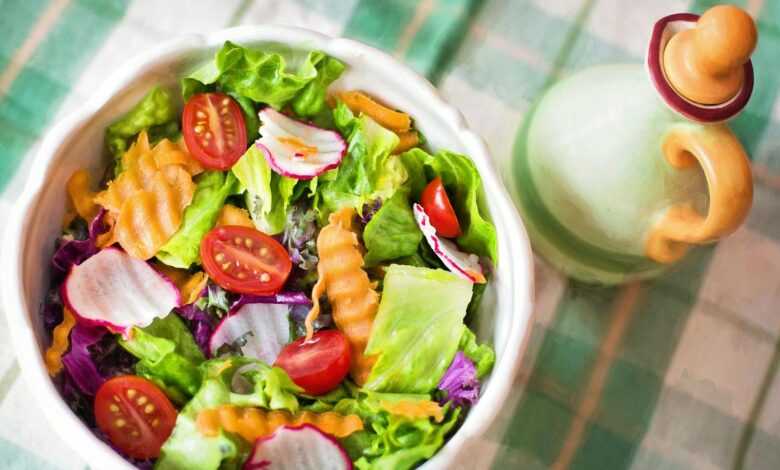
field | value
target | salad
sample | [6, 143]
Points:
[270, 274]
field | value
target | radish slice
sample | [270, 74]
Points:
[298, 448]
[463, 264]
[264, 329]
[117, 291]
[296, 149]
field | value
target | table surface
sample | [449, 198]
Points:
[678, 373]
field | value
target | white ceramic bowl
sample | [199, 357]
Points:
[76, 142]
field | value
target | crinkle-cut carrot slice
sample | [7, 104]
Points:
[190, 285]
[359, 102]
[406, 140]
[414, 409]
[81, 197]
[252, 423]
[232, 215]
[352, 296]
[59, 343]
[148, 218]
[175, 153]
[140, 164]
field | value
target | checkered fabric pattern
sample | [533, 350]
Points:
[678, 373]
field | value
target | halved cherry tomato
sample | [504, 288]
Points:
[135, 415]
[214, 130]
[244, 260]
[437, 205]
[317, 365]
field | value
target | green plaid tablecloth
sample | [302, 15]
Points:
[679, 373]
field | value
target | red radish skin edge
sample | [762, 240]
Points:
[256, 466]
[274, 164]
[125, 331]
[689, 109]
[423, 221]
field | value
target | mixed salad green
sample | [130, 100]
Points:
[275, 265]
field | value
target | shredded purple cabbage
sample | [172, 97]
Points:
[460, 384]
[78, 361]
[369, 209]
[73, 251]
[201, 325]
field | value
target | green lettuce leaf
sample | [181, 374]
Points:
[311, 100]
[156, 112]
[367, 172]
[392, 442]
[392, 232]
[258, 385]
[481, 355]
[168, 355]
[265, 76]
[268, 195]
[417, 328]
[464, 187]
[183, 248]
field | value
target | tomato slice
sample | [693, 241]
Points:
[244, 260]
[437, 205]
[214, 130]
[135, 415]
[317, 365]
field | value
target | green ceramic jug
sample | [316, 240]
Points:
[619, 169]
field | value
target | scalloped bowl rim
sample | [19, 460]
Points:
[516, 281]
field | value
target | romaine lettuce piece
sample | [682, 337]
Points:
[417, 328]
[168, 356]
[156, 112]
[464, 187]
[392, 232]
[238, 381]
[183, 248]
[268, 195]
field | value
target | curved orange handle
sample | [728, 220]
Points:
[727, 170]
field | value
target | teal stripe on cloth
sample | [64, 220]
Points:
[425, 34]
[380, 23]
[48, 76]
[15, 23]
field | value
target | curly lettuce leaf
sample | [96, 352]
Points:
[367, 172]
[261, 386]
[156, 112]
[168, 355]
[392, 232]
[183, 248]
[464, 187]
[417, 328]
[266, 76]
[268, 195]
[482, 355]
[392, 442]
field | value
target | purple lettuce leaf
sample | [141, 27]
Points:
[201, 324]
[72, 251]
[460, 384]
[78, 361]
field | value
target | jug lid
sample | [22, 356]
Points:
[701, 65]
